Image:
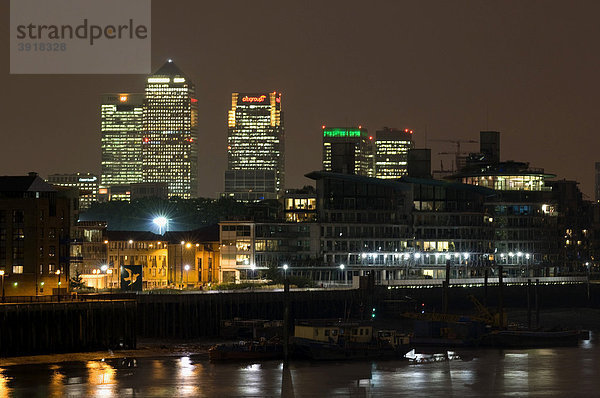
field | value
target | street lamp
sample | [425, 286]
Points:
[253, 268]
[187, 280]
[110, 272]
[161, 222]
[2, 275]
[58, 273]
[342, 266]
[285, 267]
[104, 268]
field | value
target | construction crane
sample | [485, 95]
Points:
[483, 315]
[458, 154]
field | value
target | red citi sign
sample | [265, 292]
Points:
[262, 98]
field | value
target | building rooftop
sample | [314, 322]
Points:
[395, 184]
[29, 183]
[508, 168]
[169, 69]
[449, 184]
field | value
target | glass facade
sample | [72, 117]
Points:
[121, 126]
[169, 142]
[255, 147]
[391, 152]
[348, 150]
[526, 182]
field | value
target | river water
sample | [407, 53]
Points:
[555, 372]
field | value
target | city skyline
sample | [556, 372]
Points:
[444, 78]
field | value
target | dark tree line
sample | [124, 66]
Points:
[183, 214]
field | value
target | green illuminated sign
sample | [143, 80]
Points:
[341, 133]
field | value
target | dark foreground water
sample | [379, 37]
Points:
[556, 372]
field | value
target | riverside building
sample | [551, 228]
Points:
[36, 221]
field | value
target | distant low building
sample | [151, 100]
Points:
[87, 183]
[129, 192]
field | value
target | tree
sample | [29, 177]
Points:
[77, 281]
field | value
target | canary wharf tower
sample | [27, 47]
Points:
[169, 143]
[255, 147]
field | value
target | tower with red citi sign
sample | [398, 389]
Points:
[255, 147]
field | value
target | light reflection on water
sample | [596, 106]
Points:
[549, 372]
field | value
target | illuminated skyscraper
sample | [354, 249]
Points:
[391, 152]
[121, 125]
[169, 144]
[255, 147]
[348, 150]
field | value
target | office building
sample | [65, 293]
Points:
[391, 152]
[419, 163]
[121, 127]
[169, 126]
[489, 146]
[348, 150]
[86, 183]
[255, 147]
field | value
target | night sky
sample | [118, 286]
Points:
[447, 69]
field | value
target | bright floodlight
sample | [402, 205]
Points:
[104, 267]
[161, 222]
[187, 267]
[342, 266]
[285, 266]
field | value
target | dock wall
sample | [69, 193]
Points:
[37, 328]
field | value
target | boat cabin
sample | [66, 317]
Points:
[393, 338]
[332, 331]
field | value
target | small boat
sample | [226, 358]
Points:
[337, 340]
[415, 356]
[246, 350]
[532, 338]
